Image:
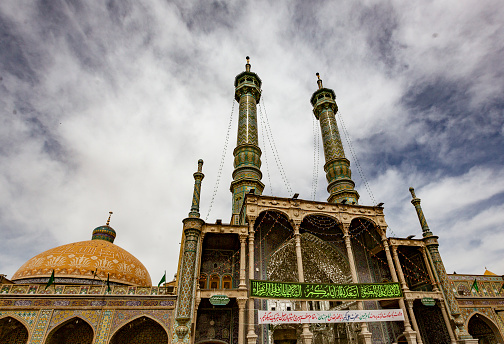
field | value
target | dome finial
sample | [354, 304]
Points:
[319, 81]
[247, 66]
[110, 215]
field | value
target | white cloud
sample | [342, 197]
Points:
[143, 90]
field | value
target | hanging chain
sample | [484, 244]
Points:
[316, 157]
[357, 163]
[354, 157]
[263, 125]
[273, 146]
[219, 173]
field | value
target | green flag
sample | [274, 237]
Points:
[108, 284]
[51, 280]
[163, 279]
[475, 286]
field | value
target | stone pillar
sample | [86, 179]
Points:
[243, 263]
[414, 322]
[306, 335]
[408, 333]
[447, 322]
[241, 319]
[402, 280]
[365, 335]
[429, 269]
[251, 336]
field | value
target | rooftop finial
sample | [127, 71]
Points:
[319, 81]
[200, 165]
[110, 215]
[247, 66]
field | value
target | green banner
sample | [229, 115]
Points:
[317, 291]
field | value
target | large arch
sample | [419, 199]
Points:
[141, 330]
[12, 331]
[322, 262]
[483, 329]
[75, 330]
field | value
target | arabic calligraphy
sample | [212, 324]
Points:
[302, 317]
[318, 291]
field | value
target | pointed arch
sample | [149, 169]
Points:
[142, 329]
[212, 341]
[322, 262]
[311, 214]
[483, 328]
[263, 213]
[13, 331]
[326, 227]
[75, 330]
[16, 317]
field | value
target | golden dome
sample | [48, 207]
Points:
[79, 260]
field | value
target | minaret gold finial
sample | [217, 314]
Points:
[247, 66]
[110, 215]
[319, 81]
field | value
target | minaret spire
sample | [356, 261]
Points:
[421, 217]
[247, 154]
[198, 177]
[337, 167]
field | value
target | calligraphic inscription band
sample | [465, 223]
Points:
[315, 291]
[303, 317]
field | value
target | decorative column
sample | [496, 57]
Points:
[186, 290]
[306, 335]
[241, 319]
[402, 280]
[432, 246]
[247, 154]
[365, 335]
[447, 322]
[408, 333]
[429, 270]
[251, 336]
[243, 247]
[337, 167]
[414, 322]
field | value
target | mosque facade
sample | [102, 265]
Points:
[231, 277]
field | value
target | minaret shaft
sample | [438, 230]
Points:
[247, 123]
[333, 148]
[247, 154]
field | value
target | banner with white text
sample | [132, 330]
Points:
[301, 317]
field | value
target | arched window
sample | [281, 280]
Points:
[203, 281]
[227, 282]
[142, 330]
[75, 331]
[215, 282]
[12, 331]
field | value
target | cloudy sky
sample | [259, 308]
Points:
[108, 105]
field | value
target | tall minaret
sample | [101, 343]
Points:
[337, 167]
[247, 154]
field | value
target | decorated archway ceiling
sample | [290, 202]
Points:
[322, 263]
